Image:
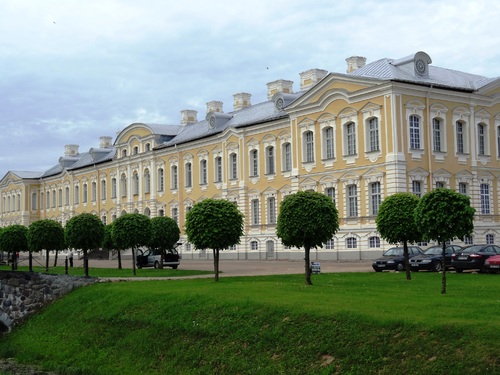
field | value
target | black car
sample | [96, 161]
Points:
[472, 257]
[393, 259]
[432, 258]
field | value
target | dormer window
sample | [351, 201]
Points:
[124, 153]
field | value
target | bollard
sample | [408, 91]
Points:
[66, 266]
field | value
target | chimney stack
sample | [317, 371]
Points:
[280, 85]
[71, 150]
[188, 116]
[241, 100]
[105, 142]
[354, 63]
[310, 77]
[214, 106]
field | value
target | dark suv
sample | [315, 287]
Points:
[393, 259]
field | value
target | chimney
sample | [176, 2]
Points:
[241, 100]
[214, 106]
[354, 63]
[280, 85]
[71, 150]
[310, 77]
[105, 142]
[188, 116]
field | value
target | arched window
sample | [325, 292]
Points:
[147, 181]
[173, 177]
[203, 172]
[373, 136]
[160, 179]
[328, 143]
[189, 174]
[135, 183]
[233, 166]
[123, 185]
[218, 169]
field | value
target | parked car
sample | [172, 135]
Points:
[432, 258]
[472, 257]
[152, 258]
[393, 259]
[492, 264]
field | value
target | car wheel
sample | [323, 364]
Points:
[459, 270]
[174, 267]
[157, 265]
[377, 270]
[437, 266]
[400, 267]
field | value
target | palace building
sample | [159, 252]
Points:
[392, 125]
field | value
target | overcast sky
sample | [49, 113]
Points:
[72, 71]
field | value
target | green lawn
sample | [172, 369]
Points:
[114, 272]
[346, 323]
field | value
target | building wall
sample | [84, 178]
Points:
[333, 150]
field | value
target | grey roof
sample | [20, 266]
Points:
[84, 159]
[27, 174]
[164, 129]
[254, 114]
[384, 69]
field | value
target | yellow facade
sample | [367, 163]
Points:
[357, 137]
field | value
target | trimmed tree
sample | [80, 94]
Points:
[84, 231]
[443, 215]
[214, 224]
[131, 231]
[307, 219]
[165, 233]
[45, 234]
[13, 239]
[396, 223]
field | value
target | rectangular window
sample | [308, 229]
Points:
[173, 177]
[330, 192]
[485, 199]
[113, 187]
[351, 138]
[375, 198]
[309, 140]
[218, 169]
[271, 207]
[287, 157]
[254, 245]
[330, 244]
[416, 187]
[94, 191]
[462, 188]
[490, 239]
[60, 198]
[352, 242]
[255, 212]
[77, 195]
[233, 160]
[373, 134]
[270, 160]
[460, 137]
[352, 196]
[439, 184]
[481, 139]
[254, 163]
[189, 179]
[103, 190]
[85, 193]
[42, 202]
[175, 214]
[414, 132]
[147, 182]
[203, 172]
[328, 132]
[436, 132]
[161, 179]
[374, 242]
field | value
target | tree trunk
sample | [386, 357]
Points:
[406, 260]
[85, 263]
[119, 259]
[133, 260]
[216, 264]
[55, 259]
[443, 278]
[162, 258]
[13, 258]
[307, 265]
[47, 261]
[30, 261]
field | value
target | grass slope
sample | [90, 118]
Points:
[346, 323]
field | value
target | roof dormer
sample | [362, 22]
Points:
[416, 64]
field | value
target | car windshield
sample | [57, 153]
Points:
[473, 249]
[435, 250]
[394, 251]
